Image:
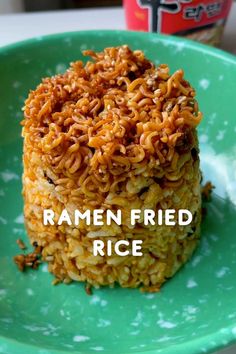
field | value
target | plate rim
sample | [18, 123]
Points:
[200, 47]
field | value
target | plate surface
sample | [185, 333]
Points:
[195, 312]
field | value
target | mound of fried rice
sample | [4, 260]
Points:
[115, 133]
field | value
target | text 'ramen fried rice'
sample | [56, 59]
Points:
[115, 133]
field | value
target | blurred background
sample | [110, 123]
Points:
[22, 19]
[11, 6]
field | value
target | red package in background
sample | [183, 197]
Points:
[201, 20]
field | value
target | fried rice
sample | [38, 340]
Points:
[114, 133]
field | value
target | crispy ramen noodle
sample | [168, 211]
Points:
[115, 133]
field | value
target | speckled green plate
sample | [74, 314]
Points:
[195, 312]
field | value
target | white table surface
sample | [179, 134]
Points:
[16, 27]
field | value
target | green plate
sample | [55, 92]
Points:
[195, 312]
